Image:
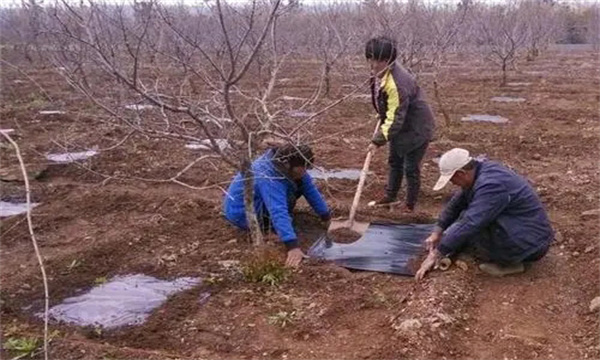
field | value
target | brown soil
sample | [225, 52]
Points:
[92, 225]
[344, 235]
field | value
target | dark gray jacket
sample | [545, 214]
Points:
[502, 204]
[405, 117]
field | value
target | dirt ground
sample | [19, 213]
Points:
[89, 227]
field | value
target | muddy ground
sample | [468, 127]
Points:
[89, 227]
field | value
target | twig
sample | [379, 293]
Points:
[325, 109]
[120, 142]
[436, 93]
[35, 245]
[28, 77]
[337, 134]
[3, 235]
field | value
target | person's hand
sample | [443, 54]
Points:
[432, 241]
[427, 265]
[294, 258]
[372, 147]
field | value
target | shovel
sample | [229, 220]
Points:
[350, 223]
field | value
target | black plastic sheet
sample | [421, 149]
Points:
[389, 248]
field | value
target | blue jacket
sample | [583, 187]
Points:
[274, 195]
[504, 205]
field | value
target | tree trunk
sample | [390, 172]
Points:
[327, 79]
[533, 52]
[438, 98]
[504, 72]
[253, 226]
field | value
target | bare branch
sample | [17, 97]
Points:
[33, 240]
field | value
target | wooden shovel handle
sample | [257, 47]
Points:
[361, 182]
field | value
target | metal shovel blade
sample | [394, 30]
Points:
[356, 226]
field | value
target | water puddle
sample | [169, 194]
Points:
[67, 158]
[125, 300]
[535, 73]
[518, 84]
[292, 98]
[300, 114]
[485, 118]
[139, 107]
[508, 99]
[11, 209]
[206, 145]
[350, 174]
[51, 112]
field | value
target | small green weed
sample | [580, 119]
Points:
[282, 318]
[379, 297]
[22, 346]
[213, 280]
[74, 264]
[100, 280]
[265, 270]
[35, 101]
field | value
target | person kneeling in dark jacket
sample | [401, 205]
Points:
[496, 212]
[280, 178]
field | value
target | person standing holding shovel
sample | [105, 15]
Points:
[406, 121]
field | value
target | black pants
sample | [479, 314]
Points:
[264, 219]
[408, 164]
[479, 246]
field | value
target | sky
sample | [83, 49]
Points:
[15, 3]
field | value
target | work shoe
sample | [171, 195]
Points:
[384, 201]
[499, 270]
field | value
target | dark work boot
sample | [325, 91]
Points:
[499, 270]
[386, 200]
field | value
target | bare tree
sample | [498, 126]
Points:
[501, 34]
[444, 23]
[399, 21]
[195, 79]
[20, 27]
[205, 75]
[209, 72]
[330, 38]
[542, 24]
[593, 20]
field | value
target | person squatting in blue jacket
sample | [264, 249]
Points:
[280, 179]
[496, 213]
